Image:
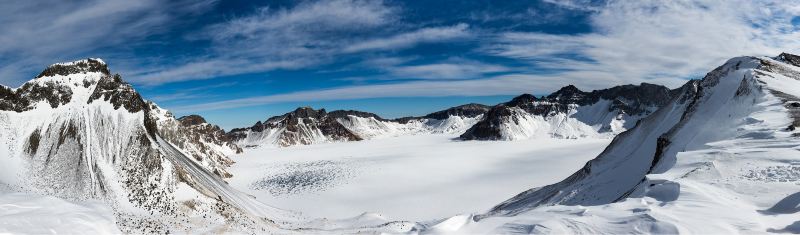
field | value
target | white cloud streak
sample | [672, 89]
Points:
[37, 33]
[514, 84]
[406, 40]
[305, 35]
[663, 42]
[448, 69]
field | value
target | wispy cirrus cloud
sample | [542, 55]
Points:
[496, 86]
[454, 68]
[620, 42]
[308, 34]
[663, 42]
[39, 33]
[405, 40]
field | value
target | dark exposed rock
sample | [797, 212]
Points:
[468, 110]
[628, 99]
[487, 128]
[300, 125]
[30, 93]
[661, 144]
[199, 129]
[631, 99]
[792, 59]
[295, 123]
[192, 120]
[119, 93]
[568, 94]
[33, 142]
[522, 100]
[84, 66]
[345, 113]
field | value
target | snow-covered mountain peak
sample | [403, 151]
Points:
[570, 113]
[192, 120]
[520, 100]
[743, 106]
[307, 112]
[74, 83]
[306, 125]
[90, 65]
[470, 110]
[569, 93]
[78, 132]
[789, 58]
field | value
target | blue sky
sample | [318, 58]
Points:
[237, 62]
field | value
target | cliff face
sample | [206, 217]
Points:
[79, 132]
[570, 113]
[302, 126]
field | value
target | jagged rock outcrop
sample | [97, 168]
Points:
[308, 126]
[208, 144]
[302, 126]
[567, 113]
[570, 113]
[78, 132]
[468, 110]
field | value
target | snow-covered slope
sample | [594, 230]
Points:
[570, 113]
[720, 158]
[306, 126]
[33, 214]
[77, 132]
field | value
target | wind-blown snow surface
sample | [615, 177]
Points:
[720, 159]
[31, 214]
[418, 177]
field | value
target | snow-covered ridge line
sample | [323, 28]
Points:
[77, 62]
[570, 113]
[712, 109]
[81, 66]
[567, 113]
[306, 125]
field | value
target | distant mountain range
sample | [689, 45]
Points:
[566, 113]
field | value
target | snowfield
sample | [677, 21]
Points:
[417, 178]
[22, 213]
